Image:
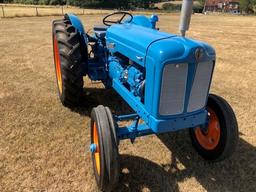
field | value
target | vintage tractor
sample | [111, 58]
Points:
[164, 78]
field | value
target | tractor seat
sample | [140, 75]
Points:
[100, 30]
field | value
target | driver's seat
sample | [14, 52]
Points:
[100, 30]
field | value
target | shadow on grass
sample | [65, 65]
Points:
[235, 174]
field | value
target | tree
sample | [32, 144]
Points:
[118, 4]
[57, 2]
[247, 6]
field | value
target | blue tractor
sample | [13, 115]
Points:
[164, 78]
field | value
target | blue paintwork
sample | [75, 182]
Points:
[93, 148]
[167, 49]
[147, 51]
[130, 75]
[133, 43]
[133, 101]
[131, 131]
[126, 117]
[142, 21]
[97, 68]
[160, 125]
[160, 53]
[153, 20]
[76, 22]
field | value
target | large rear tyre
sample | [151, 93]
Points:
[104, 149]
[68, 60]
[219, 140]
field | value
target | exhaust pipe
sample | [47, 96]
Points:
[186, 12]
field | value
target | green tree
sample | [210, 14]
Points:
[247, 6]
[57, 2]
[118, 4]
[43, 2]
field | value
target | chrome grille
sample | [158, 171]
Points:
[199, 91]
[173, 89]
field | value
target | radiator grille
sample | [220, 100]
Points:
[173, 89]
[200, 86]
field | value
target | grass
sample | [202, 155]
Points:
[45, 146]
[16, 10]
[20, 10]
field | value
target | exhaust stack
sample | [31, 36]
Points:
[185, 17]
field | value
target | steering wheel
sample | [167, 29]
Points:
[123, 14]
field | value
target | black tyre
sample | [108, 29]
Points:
[104, 148]
[68, 60]
[219, 140]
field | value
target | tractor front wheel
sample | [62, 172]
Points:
[219, 139]
[104, 148]
[68, 59]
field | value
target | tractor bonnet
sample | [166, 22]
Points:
[133, 41]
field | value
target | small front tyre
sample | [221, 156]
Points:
[219, 139]
[104, 148]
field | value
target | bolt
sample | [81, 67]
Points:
[93, 147]
[211, 140]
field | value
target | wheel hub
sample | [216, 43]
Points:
[209, 138]
[95, 147]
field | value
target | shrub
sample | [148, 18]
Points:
[197, 8]
[171, 7]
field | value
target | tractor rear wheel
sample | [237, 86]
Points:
[104, 148]
[68, 59]
[219, 139]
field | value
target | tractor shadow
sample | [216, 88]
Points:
[92, 97]
[235, 174]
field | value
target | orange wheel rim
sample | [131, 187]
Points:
[97, 151]
[209, 139]
[57, 64]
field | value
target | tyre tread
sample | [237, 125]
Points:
[71, 65]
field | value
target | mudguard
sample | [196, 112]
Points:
[76, 22]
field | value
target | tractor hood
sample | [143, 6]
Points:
[133, 40]
[180, 50]
[138, 43]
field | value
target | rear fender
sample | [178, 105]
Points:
[76, 22]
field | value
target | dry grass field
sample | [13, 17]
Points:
[45, 146]
[12, 10]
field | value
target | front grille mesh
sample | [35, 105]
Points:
[174, 85]
[173, 89]
[200, 86]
